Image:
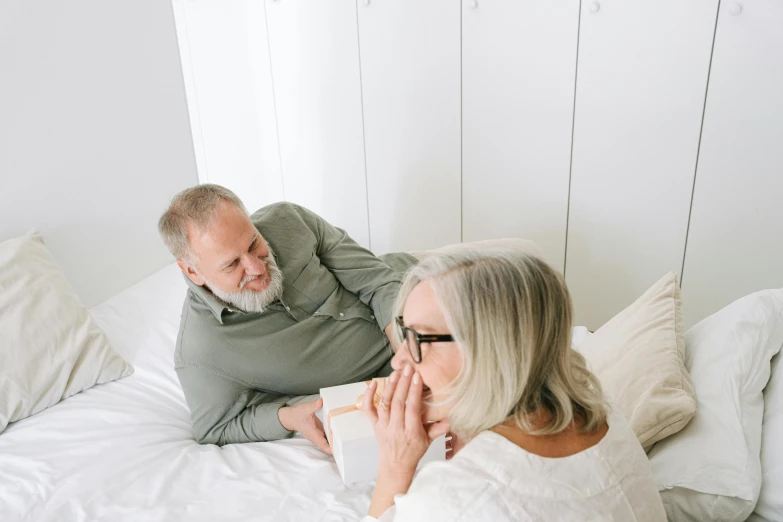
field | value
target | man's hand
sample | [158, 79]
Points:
[302, 418]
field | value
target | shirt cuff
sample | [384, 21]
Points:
[275, 430]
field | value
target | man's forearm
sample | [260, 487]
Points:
[255, 424]
[266, 421]
[226, 412]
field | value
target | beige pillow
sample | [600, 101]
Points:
[50, 348]
[512, 242]
[639, 358]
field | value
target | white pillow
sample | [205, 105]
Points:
[711, 469]
[770, 504]
[579, 335]
[50, 348]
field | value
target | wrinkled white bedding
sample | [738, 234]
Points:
[123, 451]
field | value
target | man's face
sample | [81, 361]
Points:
[234, 262]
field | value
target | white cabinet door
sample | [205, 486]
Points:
[410, 65]
[641, 83]
[314, 46]
[225, 59]
[735, 239]
[519, 62]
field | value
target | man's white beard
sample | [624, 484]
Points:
[253, 301]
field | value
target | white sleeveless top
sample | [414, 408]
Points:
[493, 480]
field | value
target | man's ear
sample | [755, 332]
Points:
[190, 272]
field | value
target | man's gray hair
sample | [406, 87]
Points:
[198, 205]
[510, 314]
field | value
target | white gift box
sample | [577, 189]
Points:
[354, 446]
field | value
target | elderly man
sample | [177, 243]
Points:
[280, 304]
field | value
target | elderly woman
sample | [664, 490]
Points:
[487, 353]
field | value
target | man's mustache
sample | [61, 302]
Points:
[249, 278]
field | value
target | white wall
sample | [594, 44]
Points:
[642, 74]
[579, 125]
[518, 74]
[411, 106]
[735, 237]
[228, 80]
[314, 55]
[94, 134]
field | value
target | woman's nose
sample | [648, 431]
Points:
[402, 357]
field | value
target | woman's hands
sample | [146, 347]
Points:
[402, 436]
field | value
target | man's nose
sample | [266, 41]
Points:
[254, 266]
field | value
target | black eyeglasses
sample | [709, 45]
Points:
[414, 339]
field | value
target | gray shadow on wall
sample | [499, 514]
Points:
[599, 289]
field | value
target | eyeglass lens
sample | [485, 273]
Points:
[413, 345]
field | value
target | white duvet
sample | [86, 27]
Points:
[123, 451]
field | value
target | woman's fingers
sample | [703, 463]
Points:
[436, 429]
[413, 405]
[368, 404]
[400, 396]
[384, 405]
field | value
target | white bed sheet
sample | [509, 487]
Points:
[124, 450]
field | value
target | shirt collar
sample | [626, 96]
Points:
[216, 305]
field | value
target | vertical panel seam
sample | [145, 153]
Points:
[698, 147]
[198, 104]
[274, 98]
[573, 126]
[364, 131]
[461, 131]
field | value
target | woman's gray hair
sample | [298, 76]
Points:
[198, 205]
[510, 314]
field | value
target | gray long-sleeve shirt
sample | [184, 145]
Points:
[238, 369]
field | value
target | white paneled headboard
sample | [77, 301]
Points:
[627, 139]
[642, 74]
[94, 134]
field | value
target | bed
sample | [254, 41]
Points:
[124, 450]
